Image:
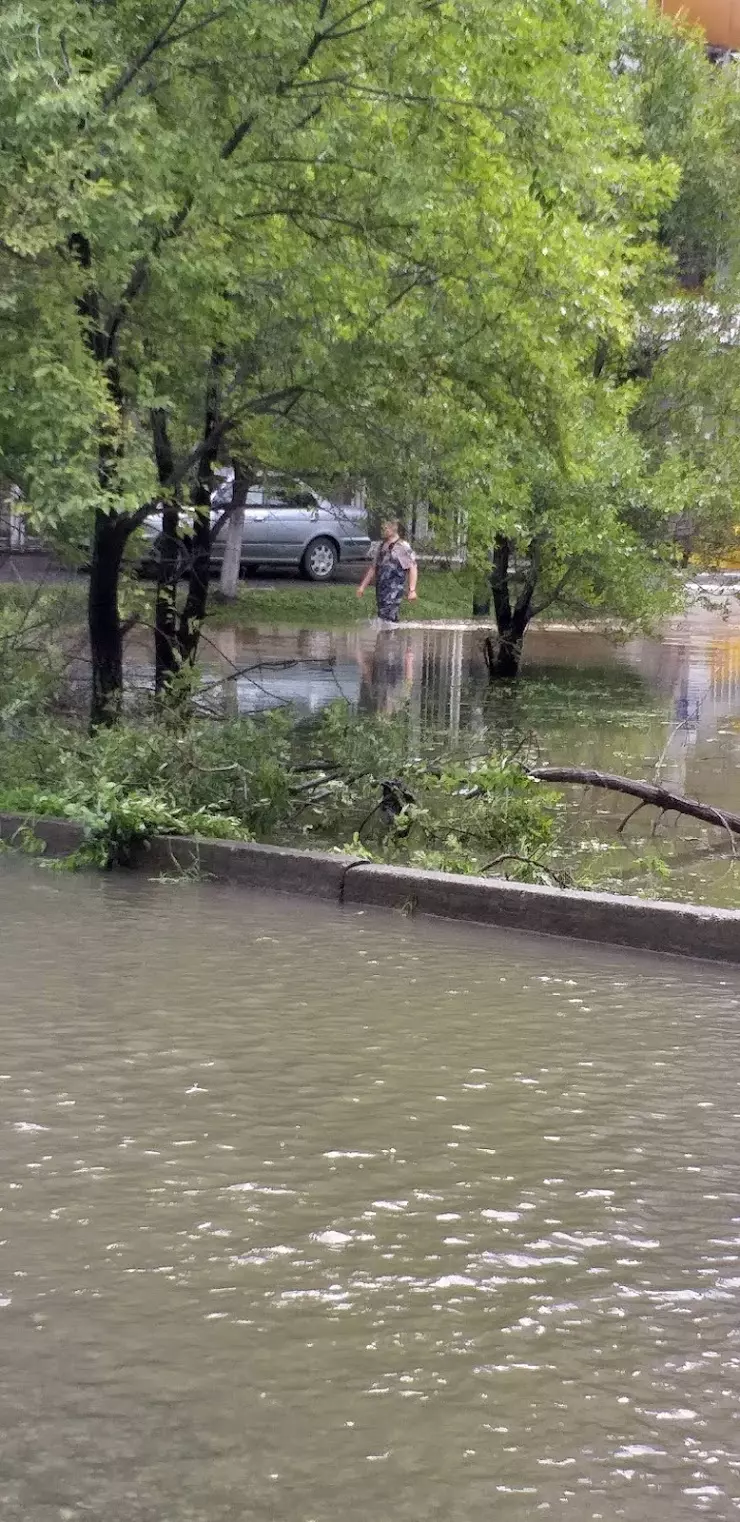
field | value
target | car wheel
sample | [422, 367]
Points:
[320, 560]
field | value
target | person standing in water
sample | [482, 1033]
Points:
[393, 562]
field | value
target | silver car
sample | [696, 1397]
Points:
[286, 523]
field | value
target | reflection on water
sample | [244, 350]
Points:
[308, 1214]
[373, 668]
[665, 709]
[690, 678]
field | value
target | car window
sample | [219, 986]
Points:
[292, 499]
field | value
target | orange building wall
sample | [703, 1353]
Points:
[719, 18]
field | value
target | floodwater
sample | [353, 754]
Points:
[309, 1214]
[665, 709]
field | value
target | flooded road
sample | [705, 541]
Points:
[664, 709]
[681, 689]
[308, 1214]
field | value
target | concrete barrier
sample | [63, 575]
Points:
[317, 873]
[58, 837]
[679, 929]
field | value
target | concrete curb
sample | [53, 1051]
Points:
[320, 874]
[642, 924]
[688, 930]
[59, 837]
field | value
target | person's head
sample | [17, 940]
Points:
[390, 529]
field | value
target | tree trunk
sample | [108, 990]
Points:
[196, 601]
[504, 658]
[166, 650]
[110, 529]
[231, 565]
[106, 634]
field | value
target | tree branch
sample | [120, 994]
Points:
[285, 85]
[139, 276]
[648, 792]
[365, 5]
[140, 273]
[528, 861]
[547, 602]
[162, 445]
[349, 31]
[237, 136]
[270, 399]
[142, 513]
[523, 605]
[206, 446]
[137, 64]
[197, 26]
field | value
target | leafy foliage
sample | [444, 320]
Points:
[321, 783]
[34, 658]
[366, 241]
[688, 357]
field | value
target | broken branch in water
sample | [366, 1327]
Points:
[648, 792]
[641, 805]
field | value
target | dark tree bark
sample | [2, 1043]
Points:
[166, 649]
[512, 618]
[111, 529]
[106, 633]
[196, 601]
[646, 792]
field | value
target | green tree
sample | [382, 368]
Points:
[318, 232]
[688, 355]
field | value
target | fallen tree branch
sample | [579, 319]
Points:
[528, 861]
[621, 827]
[648, 792]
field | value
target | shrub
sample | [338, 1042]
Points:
[333, 780]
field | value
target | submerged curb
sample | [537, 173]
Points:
[688, 930]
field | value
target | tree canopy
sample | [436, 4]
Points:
[688, 356]
[404, 239]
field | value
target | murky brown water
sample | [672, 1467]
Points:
[309, 1215]
[663, 709]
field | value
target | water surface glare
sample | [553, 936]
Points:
[310, 1214]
